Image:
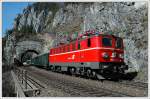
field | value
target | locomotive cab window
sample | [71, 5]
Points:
[118, 43]
[106, 41]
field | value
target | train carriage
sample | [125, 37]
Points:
[41, 60]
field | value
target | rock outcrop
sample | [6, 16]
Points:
[128, 20]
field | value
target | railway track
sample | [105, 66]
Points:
[140, 85]
[76, 86]
[77, 89]
[33, 81]
[134, 84]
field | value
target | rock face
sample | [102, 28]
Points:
[38, 15]
[25, 46]
[128, 20]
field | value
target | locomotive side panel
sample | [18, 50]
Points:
[89, 50]
[83, 54]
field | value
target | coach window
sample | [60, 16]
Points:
[79, 45]
[73, 46]
[88, 42]
[56, 50]
[68, 48]
[64, 49]
[59, 50]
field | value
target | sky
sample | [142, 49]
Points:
[9, 12]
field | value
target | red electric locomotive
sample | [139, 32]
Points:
[91, 54]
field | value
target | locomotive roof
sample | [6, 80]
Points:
[85, 38]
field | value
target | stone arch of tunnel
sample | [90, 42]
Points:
[24, 56]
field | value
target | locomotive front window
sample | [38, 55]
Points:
[118, 43]
[107, 41]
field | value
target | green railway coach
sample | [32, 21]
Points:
[40, 60]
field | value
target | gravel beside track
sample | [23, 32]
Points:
[64, 85]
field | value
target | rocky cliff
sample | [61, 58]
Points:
[128, 20]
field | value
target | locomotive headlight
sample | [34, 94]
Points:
[105, 55]
[114, 54]
[121, 55]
